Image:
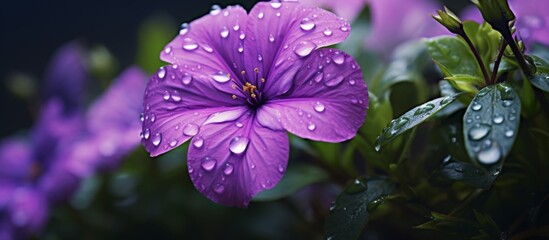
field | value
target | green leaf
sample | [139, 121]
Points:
[540, 79]
[453, 56]
[485, 39]
[468, 173]
[351, 210]
[412, 118]
[446, 89]
[296, 177]
[491, 122]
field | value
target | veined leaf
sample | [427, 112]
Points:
[540, 79]
[491, 122]
[453, 56]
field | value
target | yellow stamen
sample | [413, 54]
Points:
[248, 87]
[233, 86]
[256, 70]
[233, 96]
[262, 79]
[243, 72]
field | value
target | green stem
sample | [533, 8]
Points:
[477, 56]
[516, 51]
[498, 61]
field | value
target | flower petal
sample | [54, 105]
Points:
[231, 162]
[15, 159]
[281, 34]
[176, 107]
[28, 209]
[66, 76]
[328, 101]
[209, 45]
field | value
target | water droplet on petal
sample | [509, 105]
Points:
[479, 132]
[271, 38]
[191, 169]
[224, 32]
[260, 15]
[153, 117]
[239, 144]
[147, 133]
[238, 124]
[216, 9]
[280, 168]
[236, 27]
[219, 188]
[189, 44]
[338, 58]
[344, 28]
[319, 76]
[168, 50]
[191, 129]
[176, 97]
[319, 107]
[311, 126]
[276, 5]
[240, 48]
[198, 142]
[161, 73]
[208, 164]
[142, 117]
[307, 24]
[166, 95]
[327, 32]
[490, 155]
[229, 168]
[184, 29]
[242, 36]
[331, 82]
[156, 139]
[187, 78]
[173, 143]
[221, 77]
[207, 48]
[259, 57]
[304, 48]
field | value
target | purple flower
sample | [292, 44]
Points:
[396, 21]
[532, 19]
[239, 81]
[348, 9]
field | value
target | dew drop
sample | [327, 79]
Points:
[509, 133]
[319, 76]
[276, 5]
[311, 126]
[355, 187]
[476, 106]
[142, 117]
[352, 82]
[333, 206]
[259, 57]
[260, 15]
[331, 82]
[173, 143]
[224, 32]
[168, 50]
[424, 109]
[153, 117]
[198, 142]
[280, 168]
[479, 132]
[176, 97]
[166, 96]
[184, 29]
[191, 169]
[344, 28]
[219, 188]
[271, 38]
[338, 58]
[156, 139]
[238, 124]
[216, 9]
[304, 48]
[187, 78]
[490, 155]
[307, 24]
[319, 107]
[239, 144]
[221, 77]
[162, 73]
[147, 133]
[240, 48]
[242, 36]
[208, 164]
[189, 44]
[236, 27]
[327, 32]
[507, 103]
[191, 129]
[498, 119]
[229, 169]
[207, 48]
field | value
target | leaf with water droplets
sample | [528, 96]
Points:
[490, 123]
[412, 118]
[296, 177]
[468, 173]
[541, 78]
[351, 210]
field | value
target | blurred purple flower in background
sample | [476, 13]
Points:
[395, 22]
[532, 20]
[348, 9]
[65, 144]
[239, 81]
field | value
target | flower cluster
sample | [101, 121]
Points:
[67, 143]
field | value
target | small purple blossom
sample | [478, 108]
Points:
[396, 21]
[532, 20]
[237, 82]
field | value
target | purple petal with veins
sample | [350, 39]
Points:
[240, 81]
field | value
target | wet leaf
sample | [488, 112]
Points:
[351, 210]
[485, 39]
[468, 173]
[412, 118]
[491, 122]
[540, 79]
[297, 177]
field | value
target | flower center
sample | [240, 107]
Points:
[251, 89]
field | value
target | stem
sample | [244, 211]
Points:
[498, 61]
[516, 51]
[477, 56]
